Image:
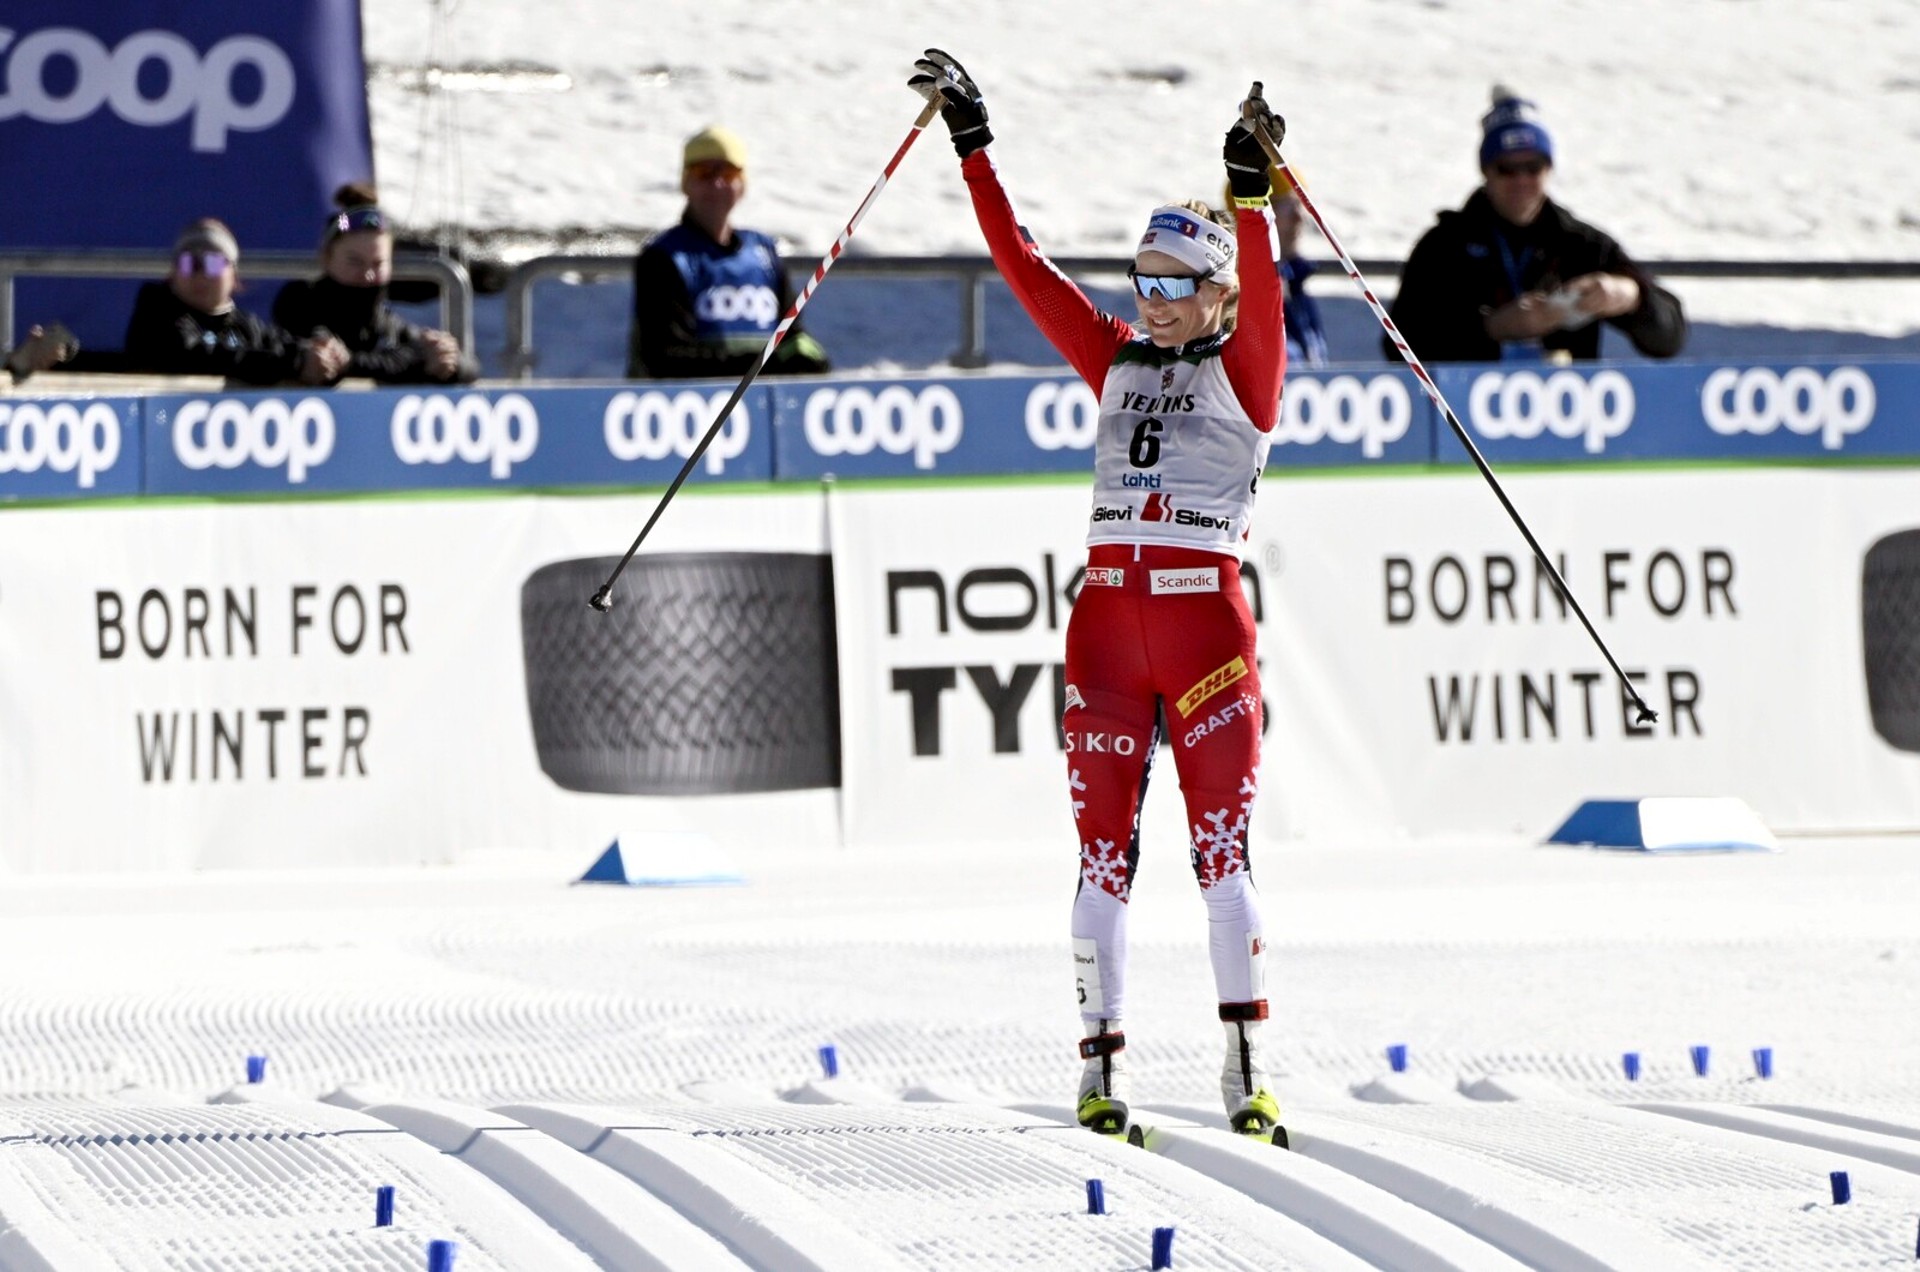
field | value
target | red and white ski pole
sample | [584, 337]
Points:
[603, 599]
[1646, 714]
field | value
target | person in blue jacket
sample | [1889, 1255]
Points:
[707, 294]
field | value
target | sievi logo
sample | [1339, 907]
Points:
[653, 425]
[438, 430]
[191, 86]
[853, 421]
[60, 438]
[1522, 404]
[1759, 400]
[268, 434]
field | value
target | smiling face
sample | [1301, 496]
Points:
[1171, 323]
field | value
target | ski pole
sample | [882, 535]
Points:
[1646, 714]
[602, 600]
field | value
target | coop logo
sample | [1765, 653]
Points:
[60, 438]
[855, 421]
[653, 425]
[1062, 416]
[1759, 400]
[756, 304]
[1524, 404]
[437, 429]
[90, 76]
[297, 436]
[1375, 412]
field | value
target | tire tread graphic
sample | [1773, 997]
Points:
[715, 673]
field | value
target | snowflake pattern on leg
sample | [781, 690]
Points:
[1104, 865]
[1078, 788]
[1219, 845]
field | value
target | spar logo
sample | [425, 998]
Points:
[1375, 412]
[654, 425]
[1801, 400]
[472, 428]
[230, 433]
[1524, 404]
[90, 76]
[1062, 416]
[856, 421]
[755, 304]
[60, 438]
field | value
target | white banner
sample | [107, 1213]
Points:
[1419, 673]
[241, 685]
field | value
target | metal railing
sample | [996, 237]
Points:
[456, 288]
[975, 272]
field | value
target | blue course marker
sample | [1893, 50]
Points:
[829, 1061]
[1397, 1057]
[1701, 1054]
[1630, 1062]
[1096, 1197]
[1842, 1189]
[1162, 1248]
[383, 1206]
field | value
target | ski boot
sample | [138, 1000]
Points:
[1245, 1088]
[1105, 1087]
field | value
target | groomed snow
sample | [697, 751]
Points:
[670, 1036]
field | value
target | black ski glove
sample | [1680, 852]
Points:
[938, 77]
[1246, 158]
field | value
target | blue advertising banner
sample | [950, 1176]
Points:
[1824, 410]
[126, 119]
[1356, 419]
[953, 425]
[69, 448]
[392, 439]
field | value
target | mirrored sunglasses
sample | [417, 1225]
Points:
[208, 264]
[1166, 286]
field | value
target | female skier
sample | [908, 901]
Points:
[1161, 623]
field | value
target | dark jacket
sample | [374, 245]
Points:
[385, 347]
[701, 308]
[168, 337]
[1458, 272]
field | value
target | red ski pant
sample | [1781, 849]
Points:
[1162, 628]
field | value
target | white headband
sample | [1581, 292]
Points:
[1193, 240]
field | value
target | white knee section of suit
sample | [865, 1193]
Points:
[1235, 939]
[1100, 954]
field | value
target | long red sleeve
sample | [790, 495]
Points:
[1255, 359]
[1085, 336]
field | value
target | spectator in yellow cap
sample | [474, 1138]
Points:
[707, 294]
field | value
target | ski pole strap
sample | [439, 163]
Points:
[1255, 1010]
[1102, 1045]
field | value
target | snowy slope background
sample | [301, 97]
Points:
[1726, 129]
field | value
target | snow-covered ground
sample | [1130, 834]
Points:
[508, 1020]
[1733, 129]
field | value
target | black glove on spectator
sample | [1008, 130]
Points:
[938, 76]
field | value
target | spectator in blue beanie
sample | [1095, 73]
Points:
[1512, 275]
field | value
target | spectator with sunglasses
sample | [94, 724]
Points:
[189, 324]
[707, 294]
[1161, 628]
[1513, 275]
[350, 301]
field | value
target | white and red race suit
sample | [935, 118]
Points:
[1161, 621]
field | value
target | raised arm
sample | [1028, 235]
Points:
[1255, 359]
[1086, 337]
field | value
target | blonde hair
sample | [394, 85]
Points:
[1230, 311]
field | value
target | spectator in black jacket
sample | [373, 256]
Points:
[1515, 275]
[350, 301]
[189, 325]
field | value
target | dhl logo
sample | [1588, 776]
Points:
[1213, 683]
